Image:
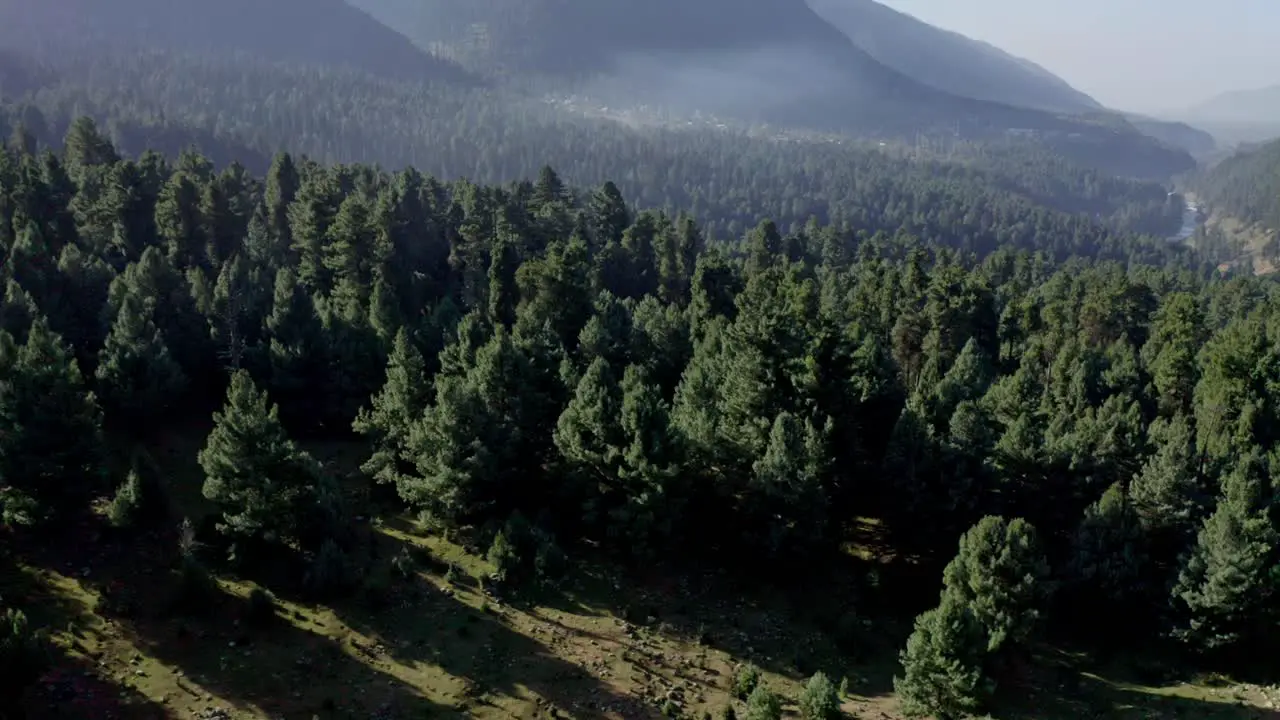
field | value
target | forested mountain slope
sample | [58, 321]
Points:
[1245, 186]
[1199, 143]
[301, 31]
[774, 61]
[950, 61]
[575, 37]
[728, 180]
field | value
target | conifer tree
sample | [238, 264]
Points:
[1177, 334]
[255, 473]
[1109, 553]
[942, 664]
[818, 700]
[348, 251]
[296, 353]
[661, 342]
[50, 425]
[695, 413]
[1166, 492]
[17, 311]
[32, 263]
[967, 379]
[281, 190]
[178, 221]
[22, 141]
[607, 334]
[1226, 588]
[385, 318]
[786, 485]
[77, 315]
[239, 310]
[86, 148]
[310, 216]
[138, 379]
[470, 451]
[218, 230]
[999, 574]
[588, 434]
[649, 510]
[503, 263]
[388, 421]
[609, 216]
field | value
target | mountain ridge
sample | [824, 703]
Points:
[775, 62]
[948, 60]
[1255, 105]
[319, 31]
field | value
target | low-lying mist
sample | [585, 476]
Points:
[745, 84]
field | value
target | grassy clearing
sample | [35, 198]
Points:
[433, 643]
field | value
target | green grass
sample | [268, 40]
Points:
[434, 648]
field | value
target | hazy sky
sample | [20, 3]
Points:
[1146, 55]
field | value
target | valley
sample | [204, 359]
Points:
[1192, 219]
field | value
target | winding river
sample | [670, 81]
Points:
[1190, 221]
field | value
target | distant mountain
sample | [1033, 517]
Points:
[950, 61]
[1243, 116]
[1241, 106]
[327, 32]
[1199, 143]
[771, 61]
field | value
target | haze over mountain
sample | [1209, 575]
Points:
[1243, 106]
[1238, 115]
[950, 61]
[1200, 143]
[774, 61]
[1139, 55]
[329, 32]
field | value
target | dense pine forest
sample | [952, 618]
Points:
[407, 358]
[1069, 428]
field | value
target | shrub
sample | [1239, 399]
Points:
[550, 563]
[330, 572]
[728, 713]
[745, 681]
[262, 607]
[17, 509]
[189, 545]
[818, 700]
[844, 687]
[404, 564]
[764, 704]
[23, 656]
[126, 507]
[196, 589]
[504, 558]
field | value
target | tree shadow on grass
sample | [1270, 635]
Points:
[1065, 685]
[227, 654]
[1094, 697]
[273, 665]
[471, 636]
[71, 683]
